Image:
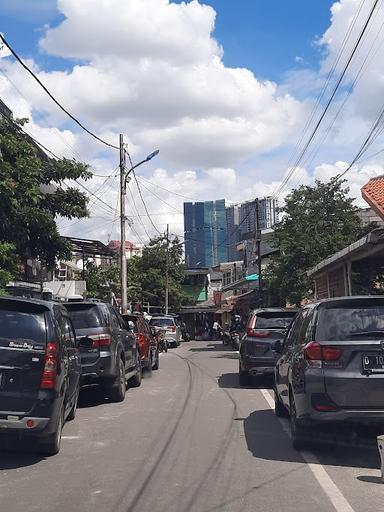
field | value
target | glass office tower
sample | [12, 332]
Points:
[205, 232]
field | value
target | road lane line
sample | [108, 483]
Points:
[336, 497]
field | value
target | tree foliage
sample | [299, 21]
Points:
[102, 282]
[147, 276]
[317, 221]
[32, 196]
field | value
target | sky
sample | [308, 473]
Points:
[229, 92]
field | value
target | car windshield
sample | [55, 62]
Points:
[274, 320]
[350, 323]
[162, 322]
[22, 326]
[84, 316]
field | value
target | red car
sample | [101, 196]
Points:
[147, 342]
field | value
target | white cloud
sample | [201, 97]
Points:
[159, 77]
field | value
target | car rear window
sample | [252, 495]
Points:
[274, 320]
[22, 327]
[344, 322]
[85, 316]
[162, 322]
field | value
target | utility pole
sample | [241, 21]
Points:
[167, 273]
[123, 257]
[258, 244]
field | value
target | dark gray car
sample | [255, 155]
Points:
[331, 367]
[265, 328]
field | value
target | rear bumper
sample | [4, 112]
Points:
[256, 365]
[104, 367]
[346, 415]
[15, 423]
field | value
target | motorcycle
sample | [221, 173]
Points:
[162, 341]
[235, 340]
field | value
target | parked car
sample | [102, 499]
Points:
[171, 327]
[146, 341]
[265, 328]
[109, 352]
[39, 370]
[331, 367]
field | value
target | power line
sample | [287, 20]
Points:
[144, 204]
[328, 104]
[141, 178]
[21, 62]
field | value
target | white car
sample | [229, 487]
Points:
[171, 327]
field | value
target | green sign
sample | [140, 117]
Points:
[252, 277]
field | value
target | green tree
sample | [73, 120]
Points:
[317, 221]
[32, 196]
[146, 274]
[102, 282]
[8, 267]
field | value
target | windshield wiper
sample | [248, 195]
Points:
[367, 333]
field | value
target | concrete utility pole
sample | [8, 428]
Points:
[258, 244]
[123, 256]
[167, 273]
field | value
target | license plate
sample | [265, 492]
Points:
[373, 363]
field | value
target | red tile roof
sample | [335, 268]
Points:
[373, 193]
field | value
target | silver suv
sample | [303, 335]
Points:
[331, 365]
[171, 327]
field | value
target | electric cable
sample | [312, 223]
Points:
[22, 63]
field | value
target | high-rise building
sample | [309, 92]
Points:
[205, 232]
[233, 235]
[268, 216]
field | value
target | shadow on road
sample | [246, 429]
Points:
[211, 347]
[231, 380]
[16, 454]
[338, 447]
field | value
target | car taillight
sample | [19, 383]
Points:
[313, 351]
[101, 340]
[171, 328]
[48, 379]
[254, 333]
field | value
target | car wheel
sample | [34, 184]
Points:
[135, 382]
[157, 361]
[298, 433]
[117, 389]
[280, 410]
[72, 413]
[244, 377]
[148, 367]
[51, 444]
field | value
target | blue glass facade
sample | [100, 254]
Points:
[205, 232]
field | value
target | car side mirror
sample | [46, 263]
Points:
[85, 342]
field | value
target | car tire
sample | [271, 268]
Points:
[116, 390]
[72, 413]
[148, 368]
[135, 381]
[157, 361]
[50, 445]
[298, 433]
[244, 377]
[280, 410]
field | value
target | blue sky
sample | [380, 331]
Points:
[225, 127]
[262, 35]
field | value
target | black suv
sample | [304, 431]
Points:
[109, 353]
[39, 370]
[331, 367]
[265, 328]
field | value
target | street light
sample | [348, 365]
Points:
[123, 190]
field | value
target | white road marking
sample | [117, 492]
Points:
[70, 437]
[336, 497]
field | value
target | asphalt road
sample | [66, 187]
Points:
[191, 440]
